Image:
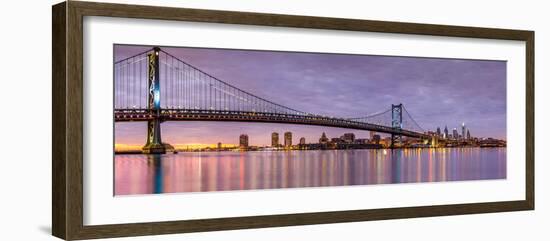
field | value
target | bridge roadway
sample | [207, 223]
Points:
[126, 115]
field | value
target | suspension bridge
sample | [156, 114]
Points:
[189, 94]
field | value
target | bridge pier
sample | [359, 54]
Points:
[154, 143]
[396, 123]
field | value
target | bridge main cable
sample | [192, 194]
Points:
[288, 109]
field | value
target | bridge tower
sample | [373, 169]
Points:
[396, 123]
[154, 143]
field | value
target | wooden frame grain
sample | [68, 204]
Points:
[67, 121]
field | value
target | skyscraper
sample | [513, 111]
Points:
[302, 141]
[275, 139]
[288, 139]
[446, 132]
[463, 131]
[438, 131]
[243, 141]
[468, 134]
[455, 133]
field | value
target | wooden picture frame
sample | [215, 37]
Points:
[67, 123]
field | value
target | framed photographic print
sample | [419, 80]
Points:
[218, 120]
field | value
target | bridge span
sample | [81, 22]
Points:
[243, 116]
[189, 94]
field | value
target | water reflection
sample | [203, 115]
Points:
[222, 171]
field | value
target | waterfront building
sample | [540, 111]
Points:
[336, 140]
[438, 131]
[323, 139]
[463, 131]
[243, 141]
[455, 133]
[302, 141]
[219, 146]
[468, 135]
[288, 139]
[348, 137]
[386, 142]
[376, 139]
[361, 141]
[446, 133]
[434, 142]
[274, 139]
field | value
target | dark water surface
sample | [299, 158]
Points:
[222, 171]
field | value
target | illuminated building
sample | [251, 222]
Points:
[446, 133]
[275, 139]
[463, 131]
[455, 133]
[288, 139]
[243, 141]
[361, 141]
[302, 141]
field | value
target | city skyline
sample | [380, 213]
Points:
[437, 91]
[348, 140]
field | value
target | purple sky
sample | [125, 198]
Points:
[436, 92]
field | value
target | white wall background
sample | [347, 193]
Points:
[25, 169]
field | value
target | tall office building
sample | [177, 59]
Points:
[372, 133]
[468, 134]
[243, 141]
[438, 132]
[275, 139]
[302, 141]
[455, 133]
[446, 133]
[463, 131]
[288, 139]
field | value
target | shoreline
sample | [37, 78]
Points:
[138, 152]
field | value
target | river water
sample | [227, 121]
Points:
[223, 171]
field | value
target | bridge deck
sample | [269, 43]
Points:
[122, 115]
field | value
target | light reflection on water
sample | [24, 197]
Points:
[223, 171]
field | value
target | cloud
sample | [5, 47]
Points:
[436, 92]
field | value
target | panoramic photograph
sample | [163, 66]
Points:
[190, 120]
